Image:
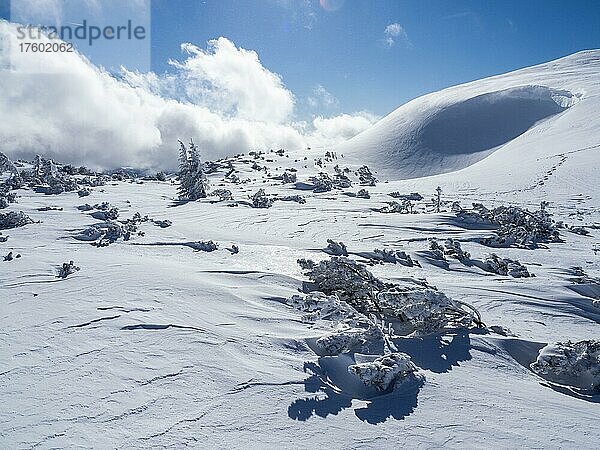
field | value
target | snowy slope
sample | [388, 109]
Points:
[516, 118]
[154, 345]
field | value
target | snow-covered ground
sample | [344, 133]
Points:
[154, 344]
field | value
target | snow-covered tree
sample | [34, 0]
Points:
[193, 184]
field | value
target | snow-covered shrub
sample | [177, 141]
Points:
[516, 226]
[204, 246]
[353, 331]
[505, 266]
[422, 309]
[105, 233]
[385, 371]
[575, 364]
[322, 183]
[405, 207]
[223, 194]
[288, 177]
[113, 231]
[336, 248]
[14, 219]
[347, 339]
[67, 269]
[450, 248]
[162, 223]
[261, 200]
[425, 310]
[394, 256]
[349, 280]
[341, 180]
[6, 165]
[385, 255]
[363, 193]
[46, 178]
[413, 196]
[85, 207]
[436, 250]
[6, 198]
[109, 214]
[582, 231]
[404, 258]
[365, 176]
[193, 184]
[84, 192]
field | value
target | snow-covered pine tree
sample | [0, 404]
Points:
[193, 184]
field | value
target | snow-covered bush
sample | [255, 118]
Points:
[425, 310]
[322, 183]
[67, 269]
[105, 233]
[413, 196]
[261, 200]
[288, 177]
[223, 194]
[204, 246]
[363, 193]
[394, 256]
[162, 223]
[505, 266]
[336, 248]
[575, 364]
[516, 226]
[193, 184]
[14, 219]
[46, 178]
[341, 180]
[349, 280]
[348, 339]
[365, 176]
[422, 308]
[436, 250]
[353, 331]
[7, 198]
[450, 248]
[385, 371]
[405, 207]
[108, 214]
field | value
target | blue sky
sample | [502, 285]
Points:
[343, 48]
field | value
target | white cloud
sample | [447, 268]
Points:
[395, 32]
[222, 97]
[334, 130]
[233, 80]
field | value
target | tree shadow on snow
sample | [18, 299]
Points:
[438, 353]
[397, 404]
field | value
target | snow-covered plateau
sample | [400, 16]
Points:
[132, 319]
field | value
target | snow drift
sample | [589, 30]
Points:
[455, 128]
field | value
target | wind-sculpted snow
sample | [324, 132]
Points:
[514, 115]
[426, 138]
[197, 327]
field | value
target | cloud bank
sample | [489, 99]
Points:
[223, 97]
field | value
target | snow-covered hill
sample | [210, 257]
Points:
[157, 343]
[506, 123]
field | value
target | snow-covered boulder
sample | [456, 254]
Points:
[575, 364]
